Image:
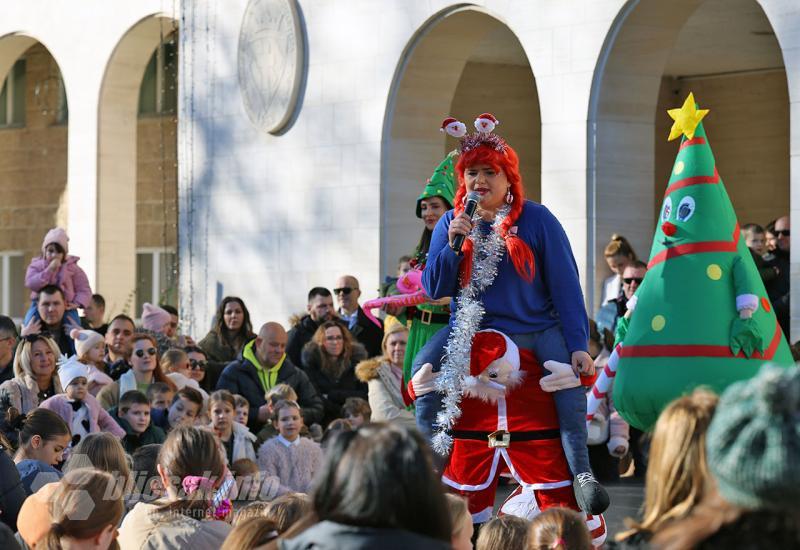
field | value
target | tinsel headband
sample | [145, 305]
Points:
[484, 126]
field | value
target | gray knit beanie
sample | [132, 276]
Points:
[753, 441]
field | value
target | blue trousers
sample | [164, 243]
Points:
[570, 403]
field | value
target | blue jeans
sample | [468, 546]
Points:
[570, 403]
[68, 314]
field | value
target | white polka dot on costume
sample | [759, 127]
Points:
[658, 323]
[679, 166]
[714, 272]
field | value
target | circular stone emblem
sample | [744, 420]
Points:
[270, 62]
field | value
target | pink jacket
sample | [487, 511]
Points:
[69, 278]
[99, 419]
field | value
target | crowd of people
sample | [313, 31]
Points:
[308, 438]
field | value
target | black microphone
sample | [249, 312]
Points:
[473, 198]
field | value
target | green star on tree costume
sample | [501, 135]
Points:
[441, 184]
[686, 329]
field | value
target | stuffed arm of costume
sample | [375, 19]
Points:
[745, 334]
[562, 280]
[440, 277]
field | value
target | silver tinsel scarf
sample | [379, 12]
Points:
[488, 250]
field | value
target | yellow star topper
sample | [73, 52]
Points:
[686, 119]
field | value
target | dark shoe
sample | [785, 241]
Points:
[590, 494]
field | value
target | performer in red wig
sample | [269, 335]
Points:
[515, 274]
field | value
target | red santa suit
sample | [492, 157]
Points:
[526, 444]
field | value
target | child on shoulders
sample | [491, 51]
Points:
[90, 349]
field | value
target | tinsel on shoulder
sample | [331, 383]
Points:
[489, 248]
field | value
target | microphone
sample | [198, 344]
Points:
[473, 198]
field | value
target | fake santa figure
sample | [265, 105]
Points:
[508, 424]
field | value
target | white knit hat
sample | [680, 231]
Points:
[85, 340]
[71, 369]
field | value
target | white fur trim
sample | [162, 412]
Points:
[631, 305]
[480, 486]
[615, 442]
[746, 301]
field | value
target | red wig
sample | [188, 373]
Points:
[508, 162]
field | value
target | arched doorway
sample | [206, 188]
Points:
[33, 161]
[655, 54]
[137, 169]
[462, 62]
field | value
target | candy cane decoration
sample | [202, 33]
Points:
[602, 385]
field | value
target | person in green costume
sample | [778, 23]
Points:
[433, 202]
[701, 316]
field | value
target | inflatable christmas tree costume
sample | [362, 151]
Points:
[701, 316]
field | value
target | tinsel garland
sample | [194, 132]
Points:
[488, 250]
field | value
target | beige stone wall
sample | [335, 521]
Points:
[157, 182]
[33, 164]
[509, 93]
[748, 128]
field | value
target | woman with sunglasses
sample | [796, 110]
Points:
[144, 371]
[198, 367]
[177, 366]
[34, 377]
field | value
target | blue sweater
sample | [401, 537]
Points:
[512, 305]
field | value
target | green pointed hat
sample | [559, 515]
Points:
[441, 183]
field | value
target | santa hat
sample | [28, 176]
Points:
[85, 340]
[485, 123]
[57, 236]
[71, 369]
[489, 346]
[154, 318]
[454, 127]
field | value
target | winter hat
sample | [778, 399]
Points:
[154, 318]
[489, 346]
[753, 442]
[441, 183]
[85, 340]
[71, 369]
[57, 236]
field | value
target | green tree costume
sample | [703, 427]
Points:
[686, 329]
[440, 184]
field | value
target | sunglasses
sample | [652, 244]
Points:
[344, 290]
[629, 280]
[149, 351]
[197, 365]
[781, 232]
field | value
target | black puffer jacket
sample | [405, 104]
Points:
[12, 492]
[334, 391]
[241, 377]
[299, 335]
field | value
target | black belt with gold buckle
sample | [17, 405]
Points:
[428, 317]
[502, 438]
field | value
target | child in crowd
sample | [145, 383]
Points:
[608, 433]
[185, 410]
[356, 411]
[236, 439]
[461, 520]
[558, 529]
[191, 469]
[42, 441]
[56, 267]
[250, 510]
[248, 480]
[133, 415]
[294, 460]
[90, 350]
[147, 483]
[76, 406]
[85, 511]
[278, 392]
[504, 533]
[160, 395]
[250, 533]
[288, 509]
[242, 409]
